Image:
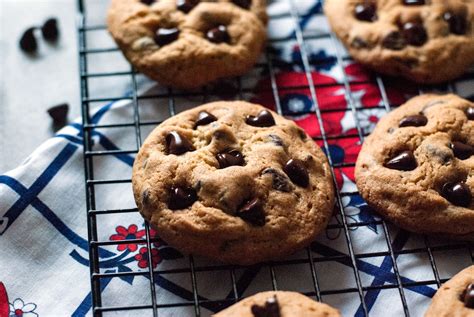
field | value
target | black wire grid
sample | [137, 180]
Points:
[270, 65]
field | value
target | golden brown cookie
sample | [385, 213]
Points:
[234, 182]
[417, 167]
[187, 44]
[455, 298]
[279, 304]
[427, 41]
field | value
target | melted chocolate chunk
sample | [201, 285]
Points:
[271, 308]
[50, 30]
[177, 144]
[358, 42]
[461, 150]
[458, 194]
[417, 120]
[457, 23]
[28, 41]
[413, 2]
[468, 296]
[415, 34]
[243, 3]
[186, 5]
[181, 197]
[405, 161]
[252, 212]
[276, 140]
[394, 41]
[366, 11]
[279, 181]
[147, 2]
[204, 118]
[470, 113]
[166, 36]
[230, 158]
[59, 114]
[297, 172]
[218, 35]
[263, 119]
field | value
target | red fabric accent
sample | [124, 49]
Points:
[4, 308]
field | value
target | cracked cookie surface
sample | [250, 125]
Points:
[417, 166]
[234, 182]
[427, 41]
[279, 304]
[189, 43]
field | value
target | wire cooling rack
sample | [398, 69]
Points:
[89, 55]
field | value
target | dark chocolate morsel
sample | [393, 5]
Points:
[297, 172]
[186, 5]
[414, 33]
[252, 212]
[457, 23]
[458, 194]
[468, 296]
[413, 2]
[181, 197]
[177, 144]
[461, 150]
[275, 139]
[28, 41]
[271, 308]
[366, 11]
[230, 158]
[358, 42]
[204, 118]
[59, 113]
[279, 181]
[147, 2]
[404, 161]
[50, 29]
[218, 35]
[394, 41]
[263, 119]
[166, 36]
[470, 113]
[243, 3]
[417, 120]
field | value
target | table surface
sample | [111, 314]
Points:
[31, 85]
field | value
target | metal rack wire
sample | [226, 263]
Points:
[352, 258]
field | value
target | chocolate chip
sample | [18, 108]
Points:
[271, 308]
[297, 172]
[358, 42]
[147, 2]
[279, 181]
[252, 212]
[468, 296]
[177, 144]
[50, 29]
[186, 5]
[275, 139]
[181, 197]
[230, 158]
[414, 33]
[366, 11]
[59, 115]
[394, 41]
[218, 35]
[28, 41]
[243, 3]
[413, 2]
[417, 120]
[263, 119]
[470, 113]
[457, 23]
[404, 161]
[204, 118]
[166, 36]
[457, 193]
[461, 150]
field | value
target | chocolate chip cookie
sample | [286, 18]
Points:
[279, 304]
[427, 41]
[417, 166]
[234, 182]
[455, 298]
[189, 43]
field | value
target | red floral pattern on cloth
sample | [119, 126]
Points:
[143, 257]
[4, 308]
[125, 234]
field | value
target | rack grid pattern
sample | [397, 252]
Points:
[352, 258]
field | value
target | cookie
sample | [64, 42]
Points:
[279, 304]
[417, 167]
[189, 43]
[234, 182]
[455, 298]
[427, 41]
